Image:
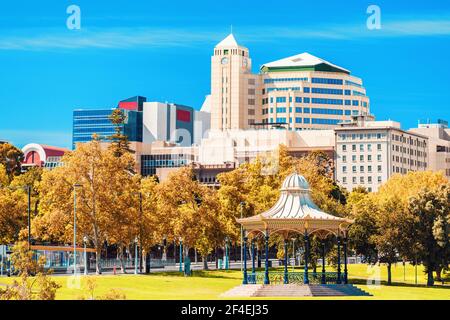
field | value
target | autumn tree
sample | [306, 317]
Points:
[38, 286]
[151, 227]
[13, 209]
[190, 211]
[11, 158]
[104, 189]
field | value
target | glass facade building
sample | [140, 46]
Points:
[149, 163]
[86, 123]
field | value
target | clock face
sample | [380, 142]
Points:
[224, 61]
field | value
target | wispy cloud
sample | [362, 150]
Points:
[146, 37]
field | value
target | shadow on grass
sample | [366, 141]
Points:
[359, 281]
[216, 274]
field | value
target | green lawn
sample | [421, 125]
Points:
[210, 284]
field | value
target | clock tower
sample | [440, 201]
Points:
[233, 87]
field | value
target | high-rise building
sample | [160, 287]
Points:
[301, 92]
[168, 122]
[369, 152]
[438, 144]
[87, 122]
[233, 86]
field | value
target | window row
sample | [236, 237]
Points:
[362, 169]
[362, 158]
[362, 147]
[362, 180]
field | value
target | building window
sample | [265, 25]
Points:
[354, 147]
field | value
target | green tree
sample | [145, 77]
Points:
[119, 141]
[430, 230]
[362, 208]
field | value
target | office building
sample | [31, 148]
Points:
[173, 123]
[301, 92]
[438, 135]
[369, 152]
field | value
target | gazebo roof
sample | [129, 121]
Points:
[295, 211]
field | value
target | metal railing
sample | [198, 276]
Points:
[277, 277]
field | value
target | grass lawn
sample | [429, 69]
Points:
[210, 284]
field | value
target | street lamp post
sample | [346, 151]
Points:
[181, 255]
[75, 227]
[140, 230]
[136, 255]
[293, 253]
[29, 215]
[227, 258]
[242, 232]
[85, 239]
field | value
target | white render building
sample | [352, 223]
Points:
[369, 152]
[438, 145]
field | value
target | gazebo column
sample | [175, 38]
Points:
[345, 261]
[266, 270]
[253, 257]
[286, 277]
[339, 281]
[245, 280]
[324, 279]
[306, 276]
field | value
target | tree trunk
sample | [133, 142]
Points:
[217, 257]
[205, 262]
[389, 281]
[122, 263]
[98, 256]
[430, 280]
[438, 274]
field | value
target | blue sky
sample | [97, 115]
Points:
[162, 49]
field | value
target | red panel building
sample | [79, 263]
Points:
[38, 155]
